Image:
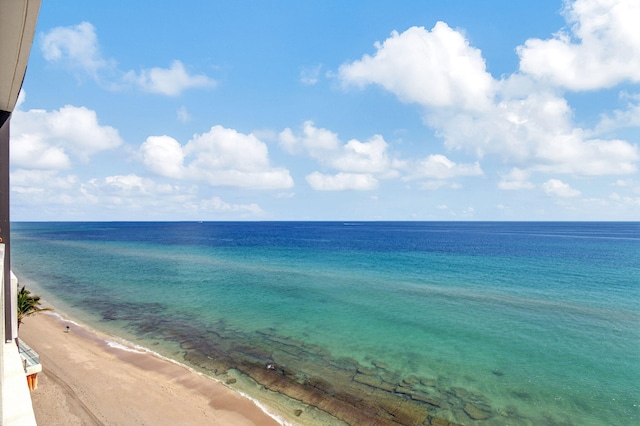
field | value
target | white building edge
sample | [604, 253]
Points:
[17, 28]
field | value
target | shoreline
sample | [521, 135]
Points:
[274, 392]
[91, 378]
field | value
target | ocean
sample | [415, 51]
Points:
[474, 323]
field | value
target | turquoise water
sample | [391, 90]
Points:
[527, 323]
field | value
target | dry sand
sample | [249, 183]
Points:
[87, 382]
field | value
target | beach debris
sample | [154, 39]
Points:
[297, 412]
[272, 367]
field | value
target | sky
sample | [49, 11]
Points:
[330, 110]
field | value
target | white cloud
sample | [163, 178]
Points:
[601, 48]
[558, 188]
[623, 183]
[33, 152]
[625, 200]
[130, 193]
[309, 76]
[170, 82]
[317, 142]
[183, 115]
[163, 156]
[436, 68]
[358, 162]
[516, 119]
[129, 184]
[128, 196]
[342, 182]
[516, 179]
[75, 46]
[29, 181]
[440, 167]
[286, 195]
[44, 139]
[432, 185]
[221, 157]
[629, 117]
[535, 131]
[216, 204]
[363, 157]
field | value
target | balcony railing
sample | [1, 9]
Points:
[30, 359]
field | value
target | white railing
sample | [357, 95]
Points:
[30, 358]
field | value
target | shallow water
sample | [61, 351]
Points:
[476, 323]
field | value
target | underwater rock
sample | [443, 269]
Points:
[430, 383]
[320, 384]
[379, 364]
[426, 400]
[435, 421]
[460, 392]
[403, 390]
[475, 412]
[365, 371]
[374, 382]
[411, 380]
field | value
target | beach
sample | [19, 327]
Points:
[87, 381]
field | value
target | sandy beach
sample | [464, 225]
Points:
[86, 381]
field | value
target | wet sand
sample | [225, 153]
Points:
[85, 381]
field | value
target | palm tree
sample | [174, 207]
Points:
[28, 304]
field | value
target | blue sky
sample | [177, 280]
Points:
[330, 110]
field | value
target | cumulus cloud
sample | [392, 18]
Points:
[133, 193]
[317, 142]
[129, 195]
[625, 200]
[516, 119]
[221, 157]
[342, 181]
[623, 183]
[168, 81]
[357, 162]
[516, 179]
[620, 118]
[600, 49]
[125, 184]
[556, 187]
[163, 156]
[34, 181]
[537, 130]
[436, 68]
[45, 139]
[440, 167]
[363, 157]
[77, 48]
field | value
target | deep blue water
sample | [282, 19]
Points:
[537, 323]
